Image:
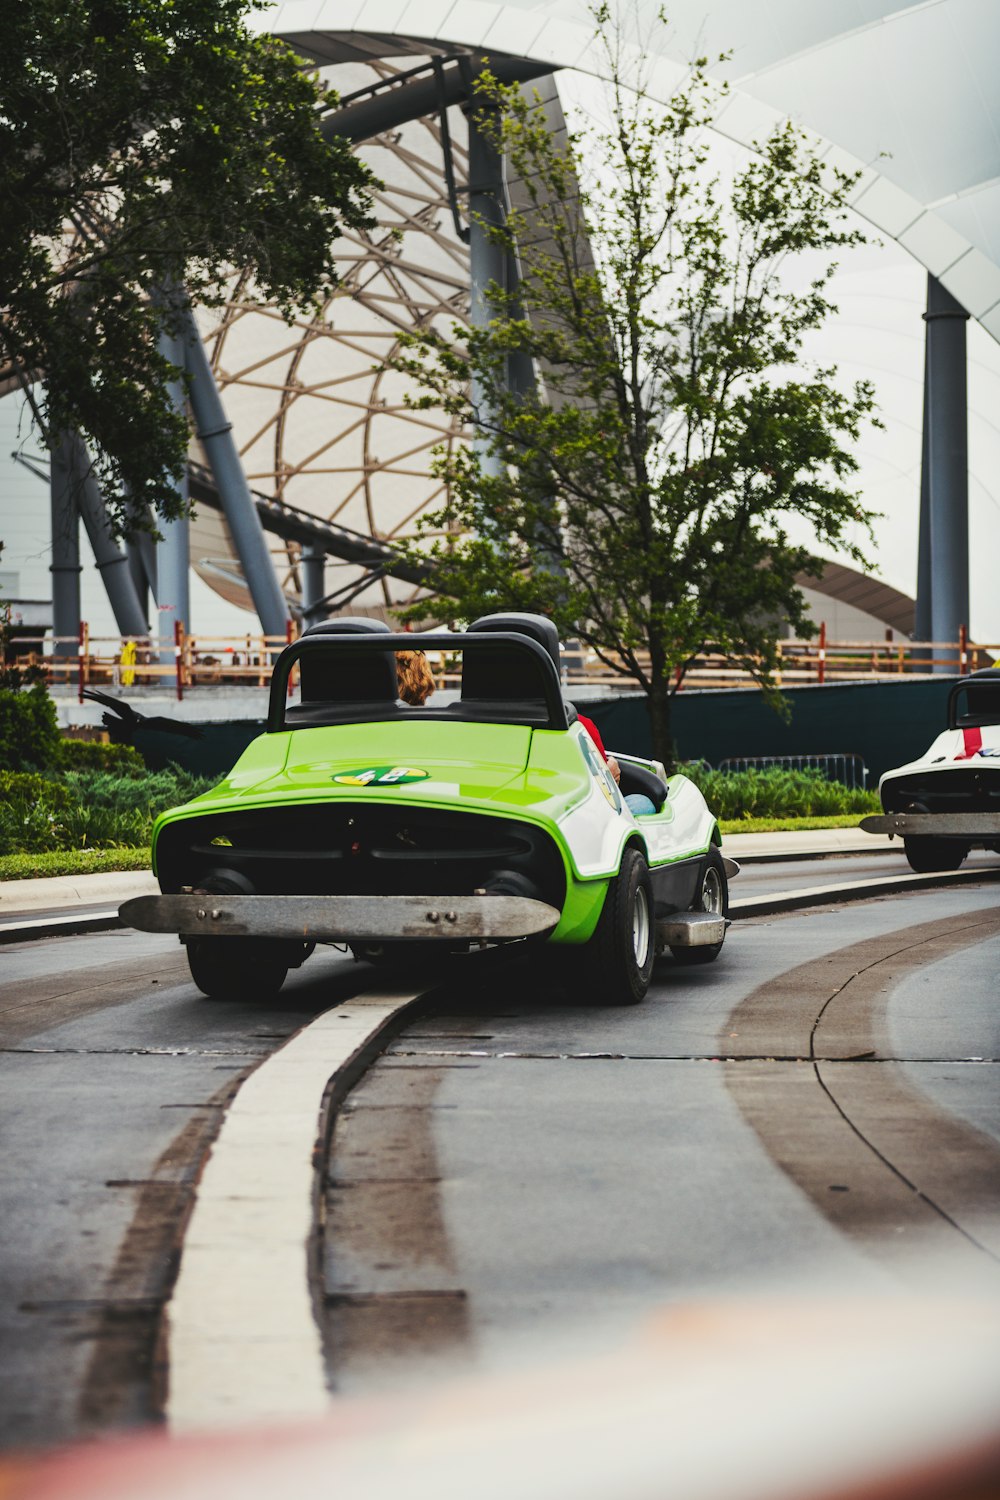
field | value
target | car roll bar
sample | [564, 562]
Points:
[380, 642]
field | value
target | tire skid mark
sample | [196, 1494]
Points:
[879, 1159]
[390, 1282]
[125, 1380]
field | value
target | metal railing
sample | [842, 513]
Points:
[191, 661]
[849, 770]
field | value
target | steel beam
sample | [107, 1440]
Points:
[173, 553]
[392, 104]
[922, 626]
[111, 561]
[312, 571]
[487, 258]
[216, 434]
[947, 464]
[65, 565]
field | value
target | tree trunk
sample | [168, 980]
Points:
[659, 719]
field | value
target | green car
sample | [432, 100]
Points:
[404, 830]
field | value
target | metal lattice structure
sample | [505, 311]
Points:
[319, 412]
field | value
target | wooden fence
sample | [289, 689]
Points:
[192, 662]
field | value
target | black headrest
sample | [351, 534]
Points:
[346, 676]
[539, 627]
[349, 625]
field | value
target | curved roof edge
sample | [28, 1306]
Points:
[322, 30]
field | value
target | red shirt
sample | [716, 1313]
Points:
[594, 732]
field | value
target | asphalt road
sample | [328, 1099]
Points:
[821, 1102]
[517, 1159]
[114, 1072]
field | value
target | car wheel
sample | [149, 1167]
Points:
[713, 896]
[618, 959]
[927, 855]
[230, 969]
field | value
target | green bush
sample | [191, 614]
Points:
[776, 792]
[29, 732]
[91, 755]
[148, 794]
[88, 809]
[34, 813]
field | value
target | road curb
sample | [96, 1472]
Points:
[29, 928]
[856, 890]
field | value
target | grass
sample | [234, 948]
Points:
[71, 862]
[787, 825]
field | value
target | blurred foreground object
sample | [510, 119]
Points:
[821, 1398]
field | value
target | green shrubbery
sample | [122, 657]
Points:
[777, 793]
[92, 755]
[29, 731]
[88, 809]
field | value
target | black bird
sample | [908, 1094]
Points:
[123, 728]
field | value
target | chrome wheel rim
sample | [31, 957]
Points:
[711, 891]
[640, 927]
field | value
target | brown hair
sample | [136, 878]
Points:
[414, 677]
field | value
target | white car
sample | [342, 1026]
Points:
[948, 800]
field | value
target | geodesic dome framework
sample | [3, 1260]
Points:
[319, 411]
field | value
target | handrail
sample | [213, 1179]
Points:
[189, 661]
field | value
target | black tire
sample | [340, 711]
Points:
[236, 969]
[712, 895]
[929, 855]
[617, 962]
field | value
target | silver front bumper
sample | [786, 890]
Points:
[343, 919]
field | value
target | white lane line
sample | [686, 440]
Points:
[243, 1341]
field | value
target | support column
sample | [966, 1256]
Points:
[112, 564]
[947, 454]
[922, 618]
[173, 554]
[65, 566]
[141, 553]
[312, 571]
[487, 260]
[216, 434]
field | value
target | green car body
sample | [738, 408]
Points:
[458, 824]
[551, 779]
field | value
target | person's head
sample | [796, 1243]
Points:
[414, 676]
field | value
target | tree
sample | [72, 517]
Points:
[148, 146]
[640, 492]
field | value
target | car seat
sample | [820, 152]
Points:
[505, 683]
[342, 686]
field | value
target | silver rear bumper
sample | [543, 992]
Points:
[321, 919]
[981, 825]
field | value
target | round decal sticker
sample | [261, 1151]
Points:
[380, 776]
